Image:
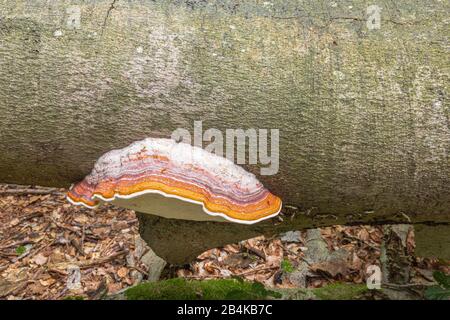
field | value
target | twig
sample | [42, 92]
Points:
[78, 233]
[21, 285]
[100, 292]
[62, 293]
[214, 276]
[88, 263]
[19, 192]
[7, 255]
[363, 241]
[15, 244]
[257, 252]
[30, 216]
[211, 276]
[255, 271]
[145, 273]
[35, 252]
[59, 272]
[407, 285]
[83, 231]
[77, 246]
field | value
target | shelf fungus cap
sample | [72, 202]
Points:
[176, 180]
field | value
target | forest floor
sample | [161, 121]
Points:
[50, 249]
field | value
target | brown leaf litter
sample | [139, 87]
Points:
[50, 249]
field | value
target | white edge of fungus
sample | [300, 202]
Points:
[136, 194]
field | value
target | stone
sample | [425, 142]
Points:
[317, 247]
[154, 264]
[291, 236]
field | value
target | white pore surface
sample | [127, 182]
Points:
[167, 207]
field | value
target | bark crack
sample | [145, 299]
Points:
[108, 13]
[343, 18]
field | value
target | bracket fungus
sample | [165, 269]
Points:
[178, 181]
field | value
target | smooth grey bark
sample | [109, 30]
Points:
[363, 113]
[181, 241]
[432, 240]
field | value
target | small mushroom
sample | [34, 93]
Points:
[175, 180]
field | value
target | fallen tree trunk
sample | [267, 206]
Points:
[362, 112]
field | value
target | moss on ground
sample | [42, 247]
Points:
[340, 291]
[181, 289]
[74, 298]
[236, 289]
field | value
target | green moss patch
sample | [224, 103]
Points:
[340, 291]
[74, 298]
[182, 289]
[236, 289]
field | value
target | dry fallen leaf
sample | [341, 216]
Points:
[120, 225]
[100, 231]
[36, 288]
[47, 282]
[122, 272]
[81, 218]
[237, 260]
[332, 268]
[209, 267]
[40, 259]
[14, 222]
[363, 234]
[114, 287]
